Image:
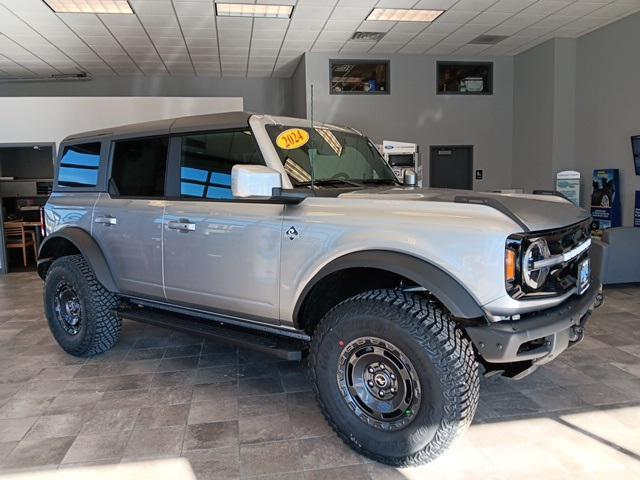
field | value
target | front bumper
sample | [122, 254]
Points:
[540, 337]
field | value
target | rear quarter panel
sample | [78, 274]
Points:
[66, 209]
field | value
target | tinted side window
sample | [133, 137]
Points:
[207, 160]
[139, 167]
[79, 165]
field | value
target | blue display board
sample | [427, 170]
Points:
[605, 199]
[636, 210]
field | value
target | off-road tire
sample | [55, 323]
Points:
[443, 358]
[99, 327]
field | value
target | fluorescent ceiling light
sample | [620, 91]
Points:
[404, 15]
[89, 6]
[253, 10]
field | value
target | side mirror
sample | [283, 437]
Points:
[260, 182]
[254, 181]
[409, 178]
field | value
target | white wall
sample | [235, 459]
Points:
[262, 95]
[50, 119]
[413, 112]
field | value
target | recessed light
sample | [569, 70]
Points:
[253, 10]
[89, 6]
[404, 15]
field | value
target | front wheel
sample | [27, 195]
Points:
[394, 376]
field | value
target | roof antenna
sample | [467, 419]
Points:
[312, 152]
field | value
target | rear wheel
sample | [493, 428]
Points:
[79, 309]
[394, 376]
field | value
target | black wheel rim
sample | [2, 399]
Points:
[67, 308]
[379, 383]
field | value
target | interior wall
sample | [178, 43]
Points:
[50, 119]
[413, 112]
[261, 95]
[543, 114]
[533, 97]
[608, 104]
[299, 90]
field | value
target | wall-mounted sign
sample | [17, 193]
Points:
[636, 210]
[605, 199]
[479, 174]
[568, 184]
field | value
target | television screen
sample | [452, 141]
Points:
[635, 147]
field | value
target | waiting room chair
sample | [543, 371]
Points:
[17, 237]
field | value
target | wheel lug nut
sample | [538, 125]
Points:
[393, 390]
[393, 377]
[370, 369]
[370, 383]
[381, 393]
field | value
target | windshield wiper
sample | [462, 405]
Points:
[330, 181]
[381, 181]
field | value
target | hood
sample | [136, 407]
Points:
[531, 212]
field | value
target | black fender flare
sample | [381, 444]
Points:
[88, 248]
[453, 295]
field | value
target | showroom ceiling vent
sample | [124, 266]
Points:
[488, 39]
[62, 77]
[367, 36]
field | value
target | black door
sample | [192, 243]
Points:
[451, 167]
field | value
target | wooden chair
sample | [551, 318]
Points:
[17, 237]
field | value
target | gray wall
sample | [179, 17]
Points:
[412, 112]
[299, 90]
[576, 103]
[264, 95]
[608, 104]
[543, 114]
[533, 118]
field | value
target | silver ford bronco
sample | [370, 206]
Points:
[296, 238]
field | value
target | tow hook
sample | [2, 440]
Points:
[599, 300]
[577, 334]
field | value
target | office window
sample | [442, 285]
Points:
[207, 160]
[79, 165]
[465, 78]
[139, 167]
[359, 76]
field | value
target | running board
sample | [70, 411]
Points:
[278, 345]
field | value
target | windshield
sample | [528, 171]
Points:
[331, 157]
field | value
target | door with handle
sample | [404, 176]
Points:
[221, 255]
[127, 221]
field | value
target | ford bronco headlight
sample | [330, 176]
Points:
[534, 275]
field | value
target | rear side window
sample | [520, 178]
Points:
[79, 165]
[138, 167]
[207, 160]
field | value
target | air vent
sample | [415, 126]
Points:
[367, 36]
[488, 39]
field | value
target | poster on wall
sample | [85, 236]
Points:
[636, 210]
[568, 184]
[605, 200]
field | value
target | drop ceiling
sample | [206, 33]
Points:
[184, 37]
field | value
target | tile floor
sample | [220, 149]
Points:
[235, 414]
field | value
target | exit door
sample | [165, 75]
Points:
[451, 167]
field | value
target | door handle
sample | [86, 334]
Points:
[182, 225]
[107, 220]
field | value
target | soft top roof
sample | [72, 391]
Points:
[179, 124]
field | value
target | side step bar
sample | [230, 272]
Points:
[278, 345]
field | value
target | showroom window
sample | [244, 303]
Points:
[207, 160]
[139, 167]
[79, 165]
